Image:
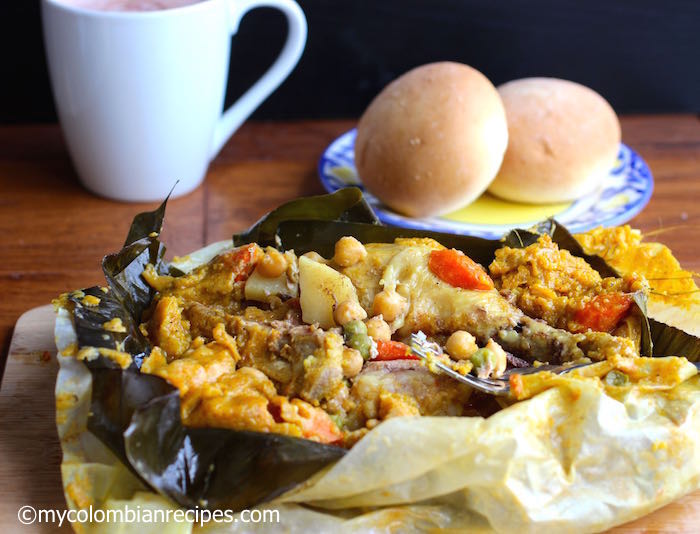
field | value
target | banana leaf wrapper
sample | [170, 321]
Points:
[571, 458]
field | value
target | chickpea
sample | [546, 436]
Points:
[349, 251]
[352, 362]
[348, 310]
[272, 264]
[315, 256]
[501, 360]
[461, 345]
[389, 304]
[378, 329]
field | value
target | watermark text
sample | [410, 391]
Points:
[28, 515]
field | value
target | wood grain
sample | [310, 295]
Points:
[30, 453]
[53, 235]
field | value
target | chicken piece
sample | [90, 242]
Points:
[260, 346]
[323, 378]
[303, 360]
[434, 306]
[203, 319]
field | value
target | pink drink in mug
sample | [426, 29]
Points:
[128, 5]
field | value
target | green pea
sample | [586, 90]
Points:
[354, 328]
[617, 378]
[338, 419]
[355, 334]
[361, 343]
[483, 357]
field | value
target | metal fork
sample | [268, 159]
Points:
[494, 386]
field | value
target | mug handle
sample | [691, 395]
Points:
[275, 75]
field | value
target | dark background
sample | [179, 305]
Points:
[642, 55]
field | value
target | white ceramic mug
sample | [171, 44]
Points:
[140, 94]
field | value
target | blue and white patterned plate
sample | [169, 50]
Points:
[625, 192]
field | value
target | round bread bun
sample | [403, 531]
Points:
[563, 141]
[432, 140]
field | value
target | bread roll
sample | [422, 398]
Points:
[563, 141]
[432, 140]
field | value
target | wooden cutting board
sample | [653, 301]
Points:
[30, 453]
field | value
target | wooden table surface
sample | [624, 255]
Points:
[53, 233]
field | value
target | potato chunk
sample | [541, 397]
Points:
[262, 287]
[321, 288]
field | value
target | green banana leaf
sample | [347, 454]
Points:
[138, 416]
[672, 341]
[247, 467]
[147, 223]
[346, 204]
